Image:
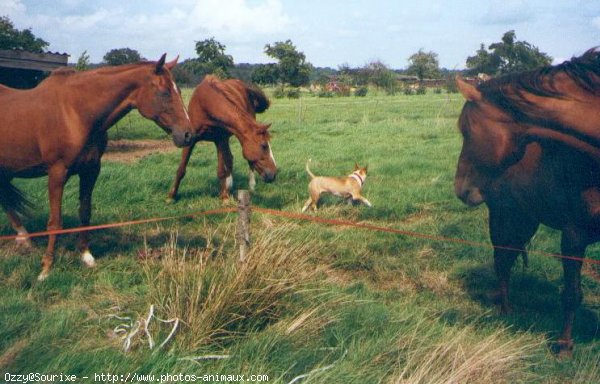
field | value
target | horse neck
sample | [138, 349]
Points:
[104, 97]
[235, 117]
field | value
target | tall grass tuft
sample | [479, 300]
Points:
[462, 355]
[217, 297]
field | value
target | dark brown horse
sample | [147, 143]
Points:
[219, 109]
[530, 152]
[59, 129]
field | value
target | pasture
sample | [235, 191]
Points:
[334, 303]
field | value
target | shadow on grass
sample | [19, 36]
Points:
[536, 303]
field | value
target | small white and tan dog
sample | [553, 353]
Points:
[347, 187]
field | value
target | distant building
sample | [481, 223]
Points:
[22, 69]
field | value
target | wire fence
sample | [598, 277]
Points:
[300, 217]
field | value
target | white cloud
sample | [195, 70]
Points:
[12, 7]
[237, 18]
[507, 12]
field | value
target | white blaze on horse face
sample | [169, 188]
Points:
[181, 97]
[271, 155]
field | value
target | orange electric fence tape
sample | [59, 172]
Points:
[120, 224]
[297, 216]
[371, 227]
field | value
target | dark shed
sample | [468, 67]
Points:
[22, 69]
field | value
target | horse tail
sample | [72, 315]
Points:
[12, 199]
[257, 98]
[312, 176]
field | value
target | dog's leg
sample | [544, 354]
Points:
[362, 200]
[307, 204]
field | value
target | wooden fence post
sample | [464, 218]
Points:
[243, 225]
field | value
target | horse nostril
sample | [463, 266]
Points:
[269, 177]
[187, 137]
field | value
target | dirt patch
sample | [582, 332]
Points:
[130, 151]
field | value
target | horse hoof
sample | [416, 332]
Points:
[563, 348]
[43, 275]
[88, 259]
[24, 244]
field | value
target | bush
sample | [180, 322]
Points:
[421, 90]
[391, 89]
[437, 91]
[408, 91]
[361, 91]
[293, 93]
[279, 93]
[324, 93]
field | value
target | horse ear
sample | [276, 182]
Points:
[469, 92]
[171, 64]
[266, 126]
[161, 63]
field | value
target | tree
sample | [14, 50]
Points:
[265, 74]
[12, 38]
[483, 62]
[211, 59]
[424, 65]
[292, 67]
[507, 56]
[83, 62]
[122, 56]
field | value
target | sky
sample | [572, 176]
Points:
[329, 32]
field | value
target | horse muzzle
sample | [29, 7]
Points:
[268, 176]
[182, 139]
[470, 196]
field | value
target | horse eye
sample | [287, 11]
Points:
[264, 146]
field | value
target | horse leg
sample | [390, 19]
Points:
[251, 179]
[185, 158]
[572, 244]
[224, 167]
[15, 221]
[57, 176]
[87, 181]
[509, 233]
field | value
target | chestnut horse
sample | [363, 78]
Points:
[59, 129]
[530, 152]
[219, 109]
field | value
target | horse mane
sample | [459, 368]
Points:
[258, 98]
[63, 71]
[254, 96]
[508, 91]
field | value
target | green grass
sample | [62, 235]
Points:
[344, 305]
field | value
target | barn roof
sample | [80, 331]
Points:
[46, 61]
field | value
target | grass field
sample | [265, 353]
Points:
[314, 303]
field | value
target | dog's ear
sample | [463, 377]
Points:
[356, 167]
[366, 168]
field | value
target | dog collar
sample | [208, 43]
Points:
[357, 177]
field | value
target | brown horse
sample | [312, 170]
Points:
[527, 144]
[219, 109]
[59, 129]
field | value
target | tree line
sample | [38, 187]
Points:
[292, 68]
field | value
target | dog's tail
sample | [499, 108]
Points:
[312, 176]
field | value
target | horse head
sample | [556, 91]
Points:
[257, 151]
[159, 99]
[491, 143]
